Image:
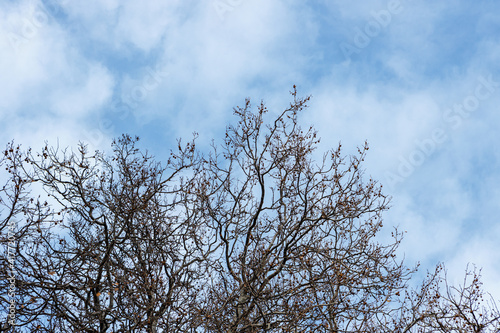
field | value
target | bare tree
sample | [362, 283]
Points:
[13, 199]
[438, 307]
[118, 247]
[299, 250]
[254, 237]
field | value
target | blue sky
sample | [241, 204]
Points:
[420, 80]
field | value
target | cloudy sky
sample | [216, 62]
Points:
[419, 80]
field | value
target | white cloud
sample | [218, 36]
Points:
[46, 87]
[118, 23]
[214, 64]
[96, 83]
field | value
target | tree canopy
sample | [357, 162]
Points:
[253, 236]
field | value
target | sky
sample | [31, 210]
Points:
[419, 80]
